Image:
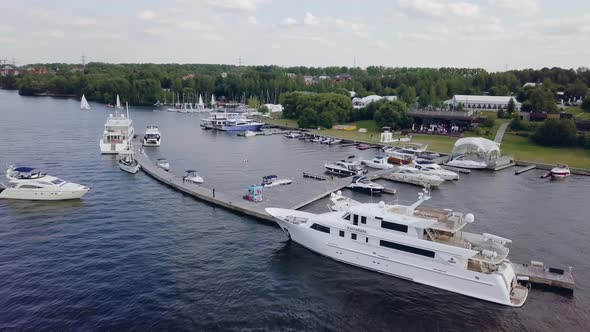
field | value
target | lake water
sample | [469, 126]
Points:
[134, 254]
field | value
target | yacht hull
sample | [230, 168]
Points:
[112, 148]
[250, 127]
[42, 195]
[151, 143]
[431, 272]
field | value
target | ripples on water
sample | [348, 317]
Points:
[134, 254]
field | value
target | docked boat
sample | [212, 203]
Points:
[464, 162]
[230, 122]
[127, 161]
[340, 202]
[436, 170]
[363, 146]
[413, 176]
[118, 132]
[28, 183]
[399, 158]
[561, 171]
[425, 245]
[273, 181]
[152, 136]
[293, 134]
[362, 183]
[84, 106]
[378, 163]
[163, 164]
[192, 176]
[345, 168]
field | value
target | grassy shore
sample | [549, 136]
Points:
[521, 148]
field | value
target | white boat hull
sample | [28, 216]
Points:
[460, 164]
[112, 148]
[151, 143]
[377, 165]
[43, 195]
[427, 271]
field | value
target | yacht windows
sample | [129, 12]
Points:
[57, 181]
[363, 220]
[355, 219]
[367, 240]
[401, 247]
[346, 216]
[393, 226]
[321, 228]
[353, 236]
[341, 233]
[29, 186]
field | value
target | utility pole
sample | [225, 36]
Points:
[240, 61]
[83, 58]
[354, 62]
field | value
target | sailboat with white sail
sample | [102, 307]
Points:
[84, 104]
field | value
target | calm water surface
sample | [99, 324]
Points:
[134, 254]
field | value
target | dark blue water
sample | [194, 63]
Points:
[134, 254]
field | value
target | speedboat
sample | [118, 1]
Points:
[127, 162]
[362, 183]
[152, 136]
[29, 183]
[118, 132]
[434, 169]
[345, 168]
[192, 176]
[341, 203]
[163, 164]
[273, 181]
[413, 176]
[561, 171]
[378, 163]
[464, 162]
[420, 244]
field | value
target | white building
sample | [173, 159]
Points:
[483, 103]
[363, 102]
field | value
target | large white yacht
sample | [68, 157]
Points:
[152, 136]
[29, 183]
[424, 245]
[118, 132]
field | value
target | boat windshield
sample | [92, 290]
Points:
[57, 181]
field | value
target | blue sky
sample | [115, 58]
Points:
[493, 34]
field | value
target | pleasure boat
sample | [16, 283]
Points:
[424, 245]
[230, 122]
[152, 136]
[362, 183]
[436, 170]
[341, 203]
[378, 163]
[273, 181]
[413, 176]
[192, 176]
[397, 157]
[464, 162]
[561, 171]
[29, 183]
[163, 164]
[118, 132]
[84, 106]
[293, 134]
[127, 161]
[346, 168]
[363, 146]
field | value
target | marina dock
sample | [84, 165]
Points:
[536, 273]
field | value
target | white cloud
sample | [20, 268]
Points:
[58, 34]
[146, 14]
[85, 21]
[310, 19]
[288, 21]
[525, 7]
[438, 8]
[381, 44]
[252, 20]
[236, 5]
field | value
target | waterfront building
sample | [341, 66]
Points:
[483, 103]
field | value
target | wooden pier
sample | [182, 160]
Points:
[315, 176]
[536, 273]
[525, 169]
[456, 169]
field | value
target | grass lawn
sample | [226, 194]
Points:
[578, 113]
[523, 148]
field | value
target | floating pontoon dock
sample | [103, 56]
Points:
[536, 273]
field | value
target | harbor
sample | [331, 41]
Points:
[161, 235]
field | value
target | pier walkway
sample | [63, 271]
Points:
[500, 133]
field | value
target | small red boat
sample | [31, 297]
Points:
[400, 158]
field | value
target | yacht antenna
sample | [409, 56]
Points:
[127, 107]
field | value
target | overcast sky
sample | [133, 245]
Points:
[493, 34]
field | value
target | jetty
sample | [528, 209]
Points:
[525, 169]
[537, 273]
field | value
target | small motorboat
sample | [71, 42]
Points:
[345, 168]
[378, 163]
[334, 141]
[362, 183]
[192, 176]
[363, 146]
[561, 171]
[293, 134]
[163, 164]
[464, 162]
[400, 158]
[317, 139]
[341, 203]
[273, 181]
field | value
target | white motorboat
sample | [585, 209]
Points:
[378, 163]
[152, 136]
[413, 176]
[192, 176]
[163, 164]
[561, 171]
[273, 181]
[436, 170]
[84, 104]
[424, 245]
[345, 168]
[293, 134]
[464, 162]
[28, 183]
[127, 161]
[341, 203]
[118, 132]
[334, 141]
[362, 183]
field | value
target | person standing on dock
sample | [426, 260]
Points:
[213, 192]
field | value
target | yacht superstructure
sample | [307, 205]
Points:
[118, 132]
[424, 245]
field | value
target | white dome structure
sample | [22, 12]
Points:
[477, 146]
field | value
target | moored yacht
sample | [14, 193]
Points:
[423, 245]
[436, 170]
[378, 163]
[362, 183]
[118, 132]
[464, 162]
[152, 136]
[414, 176]
[29, 183]
[345, 168]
